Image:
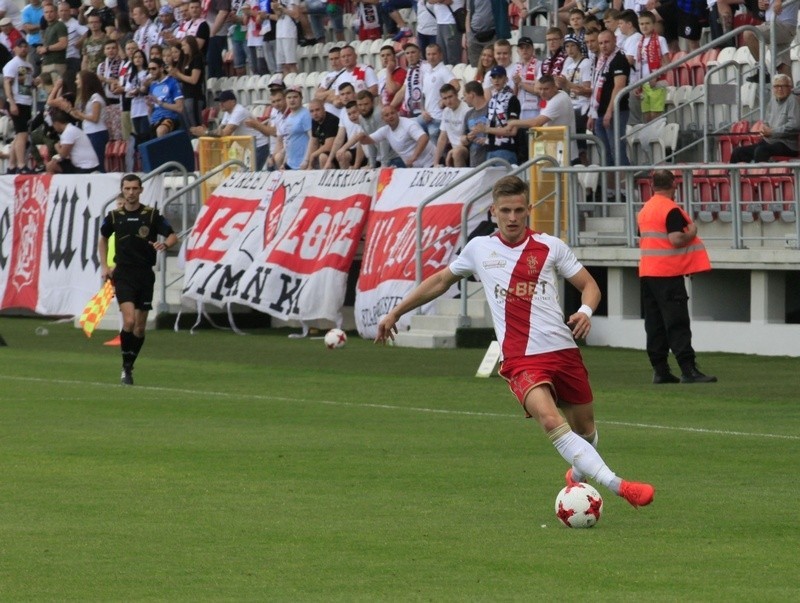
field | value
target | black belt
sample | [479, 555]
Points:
[112, 101]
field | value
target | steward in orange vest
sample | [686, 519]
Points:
[670, 250]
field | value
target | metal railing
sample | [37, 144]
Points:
[737, 206]
[181, 194]
[619, 135]
[496, 162]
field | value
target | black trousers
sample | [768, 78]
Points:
[761, 152]
[666, 321]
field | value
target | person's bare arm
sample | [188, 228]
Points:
[428, 290]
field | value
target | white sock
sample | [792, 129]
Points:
[592, 439]
[580, 454]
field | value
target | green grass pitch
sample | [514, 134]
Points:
[262, 468]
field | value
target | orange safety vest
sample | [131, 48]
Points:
[658, 256]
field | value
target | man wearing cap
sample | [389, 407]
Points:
[576, 81]
[9, 9]
[233, 123]
[523, 77]
[503, 106]
[18, 86]
[54, 44]
[9, 34]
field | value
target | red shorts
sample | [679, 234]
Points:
[563, 371]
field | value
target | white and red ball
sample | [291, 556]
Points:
[335, 338]
[579, 506]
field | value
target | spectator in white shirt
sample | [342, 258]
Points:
[435, 74]
[74, 152]
[557, 111]
[405, 136]
[233, 123]
[452, 129]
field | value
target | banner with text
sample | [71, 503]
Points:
[388, 267]
[49, 226]
[281, 243]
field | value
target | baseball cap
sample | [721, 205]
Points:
[571, 40]
[525, 41]
[5, 21]
[225, 95]
[277, 82]
[165, 10]
[296, 89]
[498, 71]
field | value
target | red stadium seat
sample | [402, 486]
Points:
[696, 70]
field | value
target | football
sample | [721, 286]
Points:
[335, 338]
[579, 506]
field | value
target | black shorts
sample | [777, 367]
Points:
[67, 167]
[690, 27]
[135, 284]
[22, 119]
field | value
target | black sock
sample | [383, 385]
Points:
[138, 342]
[128, 349]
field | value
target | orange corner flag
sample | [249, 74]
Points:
[96, 308]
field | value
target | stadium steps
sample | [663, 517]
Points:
[439, 330]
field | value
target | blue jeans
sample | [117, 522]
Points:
[239, 54]
[606, 135]
[397, 162]
[432, 128]
[509, 156]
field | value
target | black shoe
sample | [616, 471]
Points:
[754, 78]
[26, 170]
[10, 171]
[127, 376]
[695, 376]
[661, 378]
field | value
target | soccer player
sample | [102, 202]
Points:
[519, 269]
[135, 228]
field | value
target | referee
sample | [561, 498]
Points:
[136, 228]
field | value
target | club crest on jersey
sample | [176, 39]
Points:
[533, 263]
[144, 231]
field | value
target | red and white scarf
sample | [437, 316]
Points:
[599, 80]
[650, 54]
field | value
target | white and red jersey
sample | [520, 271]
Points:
[521, 286]
[362, 77]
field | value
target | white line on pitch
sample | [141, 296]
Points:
[406, 408]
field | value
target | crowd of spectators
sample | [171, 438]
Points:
[132, 70]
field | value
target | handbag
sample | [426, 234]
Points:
[460, 15]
